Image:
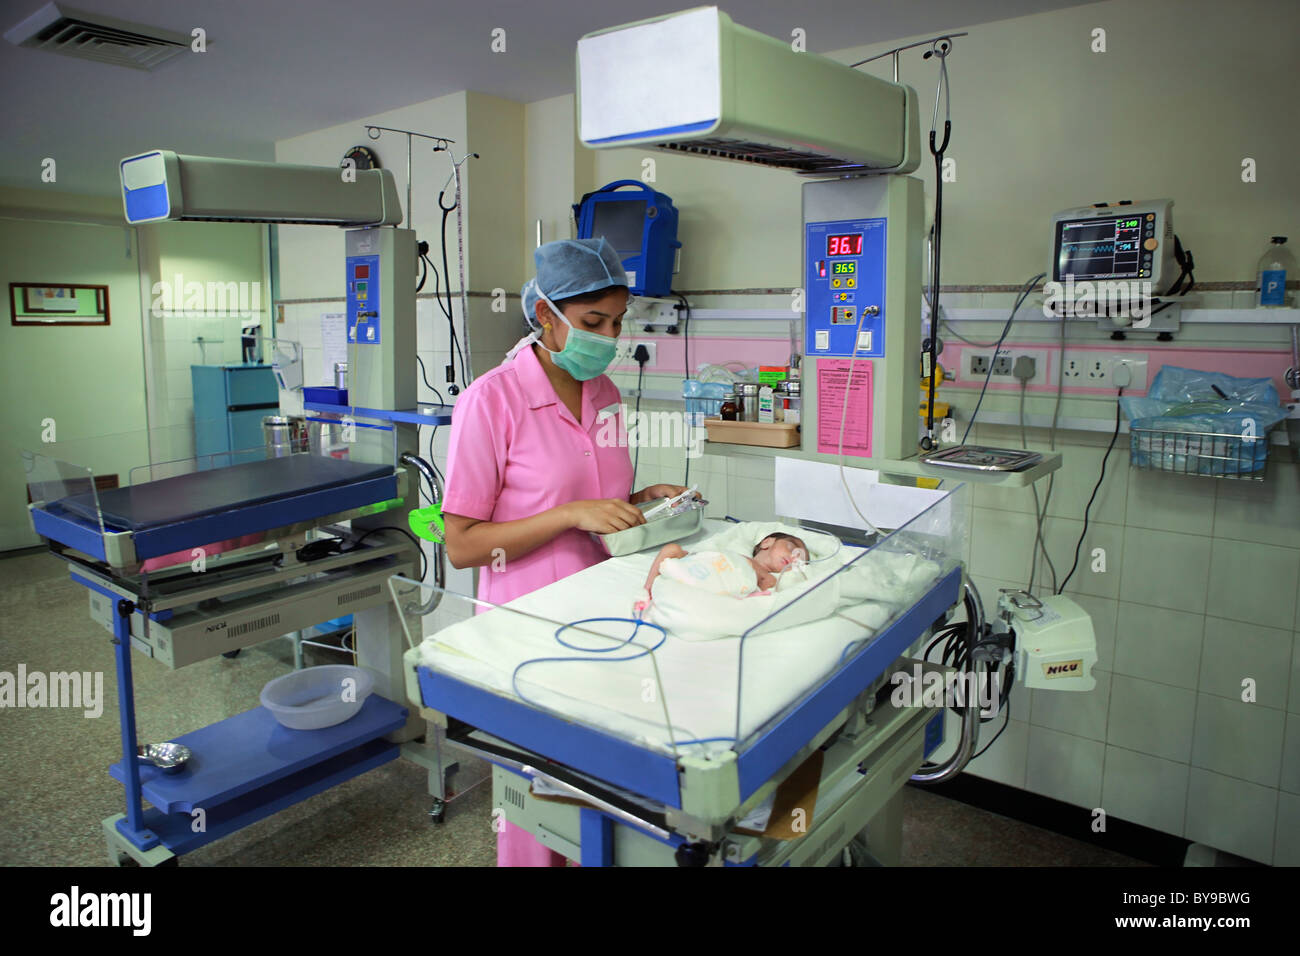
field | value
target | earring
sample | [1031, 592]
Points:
[546, 326]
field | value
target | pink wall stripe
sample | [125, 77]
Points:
[1251, 363]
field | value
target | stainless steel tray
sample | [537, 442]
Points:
[655, 533]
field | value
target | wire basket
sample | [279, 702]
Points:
[1209, 454]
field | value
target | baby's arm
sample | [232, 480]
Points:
[667, 551]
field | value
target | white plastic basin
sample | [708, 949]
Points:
[317, 697]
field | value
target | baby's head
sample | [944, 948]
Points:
[778, 551]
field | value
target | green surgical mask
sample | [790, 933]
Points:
[585, 355]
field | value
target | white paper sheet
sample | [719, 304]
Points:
[814, 491]
[334, 343]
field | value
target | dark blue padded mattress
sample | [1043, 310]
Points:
[169, 501]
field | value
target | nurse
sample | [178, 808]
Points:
[531, 470]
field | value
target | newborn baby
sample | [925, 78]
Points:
[727, 572]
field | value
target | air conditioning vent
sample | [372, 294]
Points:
[57, 28]
[763, 154]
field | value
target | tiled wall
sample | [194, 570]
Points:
[1198, 594]
[302, 323]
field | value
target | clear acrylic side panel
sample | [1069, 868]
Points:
[604, 674]
[356, 438]
[66, 465]
[794, 650]
[51, 480]
[353, 439]
[685, 692]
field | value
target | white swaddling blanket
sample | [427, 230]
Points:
[692, 687]
[720, 572]
[802, 595]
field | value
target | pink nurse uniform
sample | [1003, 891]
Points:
[516, 451]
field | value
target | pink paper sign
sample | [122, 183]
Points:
[833, 375]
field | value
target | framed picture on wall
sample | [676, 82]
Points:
[49, 298]
[39, 303]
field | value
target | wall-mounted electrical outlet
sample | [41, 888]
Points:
[1136, 367]
[1078, 368]
[1083, 369]
[626, 348]
[975, 365]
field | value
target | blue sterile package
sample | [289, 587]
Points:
[1174, 384]
[1205, 423]
[703, 399]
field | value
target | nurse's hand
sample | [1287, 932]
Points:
[602, 515]
[657, 491]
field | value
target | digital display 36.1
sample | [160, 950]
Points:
[845, 245]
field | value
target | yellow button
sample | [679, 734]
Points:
[835, 283]
[850, 283]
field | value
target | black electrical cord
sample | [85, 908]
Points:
[446, 271]
[686, 346]
[1020, 300]
[424, 562]
[1040, 508]
[636, 421]
[320, 548]
[432, 463]
[424, 375]
[1186, 265]
[686, 329]
[424, 273]
[1005, 721]
[446, 307]
[1095, 488]
[939, 50]
[932, 342]
[956, 650]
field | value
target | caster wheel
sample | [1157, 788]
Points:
[856, 854]
[438, 812]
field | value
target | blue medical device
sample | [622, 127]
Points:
[846, 274]
[641, 227]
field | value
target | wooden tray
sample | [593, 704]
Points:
[773, 435]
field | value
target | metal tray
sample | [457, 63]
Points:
[981, 458]
[655, 533]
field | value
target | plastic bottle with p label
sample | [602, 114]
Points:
[1275, 267]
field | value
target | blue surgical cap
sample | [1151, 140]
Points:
[570, 267]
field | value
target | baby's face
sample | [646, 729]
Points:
[777, 555]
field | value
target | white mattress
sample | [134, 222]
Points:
[689, 689]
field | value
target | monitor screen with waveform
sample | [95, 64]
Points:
[1105, 247]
